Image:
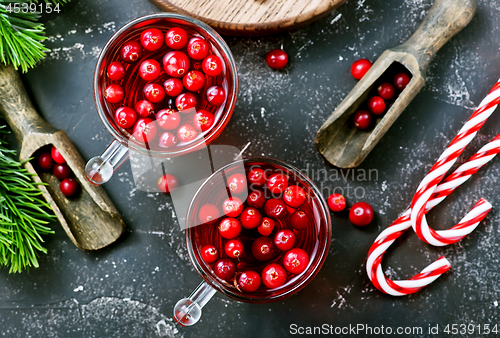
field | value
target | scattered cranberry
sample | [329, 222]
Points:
[131, 52]
[275, 208]
[185, 102]
[154, 93]
[168, 119]
[361, 214]
[144, 108]
[186, 133]
[294, 196]
[149, 70]
[125, 117]
[234, 248]
[152, 39]
[197, 48]
[296, 261]
[209, 253]
[376, 105]
[256, 199]
[232, 207]
[114, 93]
[208, 213]
[237, 183]
[168, 140]
[176, 38]
[56, 155]
[274, 276]
[116, 71]
[230, 228]
[176, 64]
[250, 218]
[69, 187]
[284, 239]
[266, 227]
[203, 120]
[362, 119]
[401, 80]
[61, 171]
[167, 183]
[249, 281]
[194, 80]
[336, 202]
[45, 161]
[277, 59]
[145, 130]
[173, 87]
[386, 91]
[263, 248]
[299, 220]
[277, 183]
[257, 177]
[225, 269]
[212, 65]
[360, 67]
[216, 95]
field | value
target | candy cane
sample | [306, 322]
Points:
[429, 184]
[398, 227]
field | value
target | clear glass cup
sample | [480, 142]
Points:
[315, 240]
[100, 169]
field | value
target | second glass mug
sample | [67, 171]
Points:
[100, 169]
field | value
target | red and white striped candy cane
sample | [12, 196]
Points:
[429, 184]
[398, 227]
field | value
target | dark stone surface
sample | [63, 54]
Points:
[130, 288]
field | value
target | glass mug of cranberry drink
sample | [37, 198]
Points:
[164, 85]
[256, 236]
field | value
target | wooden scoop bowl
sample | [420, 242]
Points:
[344, 145]
[90, 220]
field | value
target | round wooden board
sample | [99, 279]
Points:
[252, 17]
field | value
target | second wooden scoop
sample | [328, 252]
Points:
[344, 145]
[90, 219]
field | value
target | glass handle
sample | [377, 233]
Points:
[187, 311]
[99, 169]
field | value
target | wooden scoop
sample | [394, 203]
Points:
[90, 220]
[344, 145]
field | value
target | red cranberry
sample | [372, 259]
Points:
[237, 183]
[176, 64]
[401, 80]
[56, 155]
[167, 183]
[145, 130]
[232, 207]
[359, 68]
[361, 214]
[208, 213]
[203, 120]
[186, 133]
[299, 220]
[250, 218]
[257, 177]
[125, 117]
[296, 261]
[256, 199]
[176, 38]
[152, 39]
[229, 228]
[197, 48]
[45, 161]
[173, 87]
[116, 71]
[249, 281]
[386, 91]
[154, 92]
[234, 248]
[114, 93]
[168, 119]
[61, 171]
[149, 70]
[275, 208]
[225, 269]
[263, 248]
[185, 102]
[362, 119]
[69, 187]
[274, 276]
[266, 227]
[277, 59]
[131, 52]
[336, 202]
[285, 239]
[209, 253]
[376, 105]
[144, 108]
[212, 65]
[194, 80]
[294, 196]
[216, 95]
[277, 183]
[168, 140]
